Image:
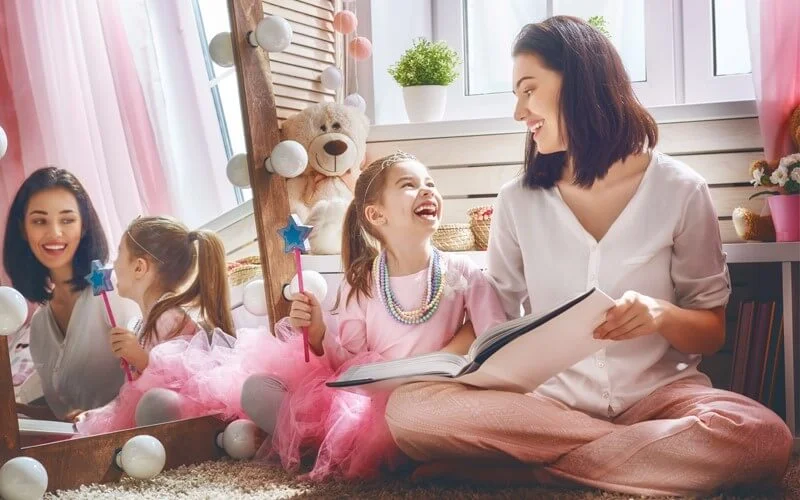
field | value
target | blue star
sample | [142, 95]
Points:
[295, 235]
[99, 278]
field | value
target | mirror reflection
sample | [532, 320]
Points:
[115, 113]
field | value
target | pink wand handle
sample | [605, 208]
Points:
[114, 325]
[298, 265]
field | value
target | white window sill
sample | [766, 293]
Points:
[489, 126]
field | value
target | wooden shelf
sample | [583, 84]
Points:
[737, 253]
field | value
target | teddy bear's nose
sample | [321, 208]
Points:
[335, 148]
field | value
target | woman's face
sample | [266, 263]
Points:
[53, 227]
[538, 90]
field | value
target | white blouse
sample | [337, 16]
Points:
[665, 244]
[79, 371]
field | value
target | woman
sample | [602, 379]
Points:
[52, 236]
[598, 206]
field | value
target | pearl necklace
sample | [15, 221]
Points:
[430, 301]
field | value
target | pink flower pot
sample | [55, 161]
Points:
[785, 209]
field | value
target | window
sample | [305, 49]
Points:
[212, 18]
[675, 51]
[492, 26]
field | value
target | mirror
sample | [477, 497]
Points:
[126, 96]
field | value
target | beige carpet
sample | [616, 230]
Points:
[249, 481]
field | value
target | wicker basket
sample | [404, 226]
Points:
[243, 270]
[454, 238]
[480, 219]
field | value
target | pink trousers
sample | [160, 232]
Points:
[682, 439]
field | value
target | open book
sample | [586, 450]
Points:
[518, 355]
[31, 427]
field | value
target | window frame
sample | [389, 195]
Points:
[657, 90]
[701, 84]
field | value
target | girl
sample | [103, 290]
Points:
[52, 236]
[157, 256]
[400, 297]
[637, 417]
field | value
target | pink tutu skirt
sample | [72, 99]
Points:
[347, 432]
[182, 365]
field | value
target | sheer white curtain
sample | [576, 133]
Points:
[169, 58]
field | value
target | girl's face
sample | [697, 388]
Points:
[53, 227]
[538, 89]
[124, 269]
[410, 205]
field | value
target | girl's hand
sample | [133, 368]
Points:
[307, 312]
[634, 315]
[75, 416]
[125, 345]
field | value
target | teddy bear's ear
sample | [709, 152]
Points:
[289, 126]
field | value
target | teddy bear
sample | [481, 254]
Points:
[749, 225]
[335, 138]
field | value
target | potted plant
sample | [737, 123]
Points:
[784, 200]
[424, 71]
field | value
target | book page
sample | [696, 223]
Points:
[535, 357]
[31, 427]
[437, 363]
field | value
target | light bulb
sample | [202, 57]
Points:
[13, 310]
[273, 34]
[237, 171]
[254, 298]
[23, 478]
[313, 282]
[3, 142]
[288, 159]
[221, 50]
[142, 457]
[240, 440]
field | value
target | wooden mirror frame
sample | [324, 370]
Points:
[74, 462]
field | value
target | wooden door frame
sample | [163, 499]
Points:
[74, 462]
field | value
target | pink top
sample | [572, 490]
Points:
[165, 326]
[365, 325]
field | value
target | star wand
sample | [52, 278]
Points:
[100, 279]
[295, 240]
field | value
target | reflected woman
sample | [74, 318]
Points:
[52, 235]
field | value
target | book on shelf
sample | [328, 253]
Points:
[518, 355]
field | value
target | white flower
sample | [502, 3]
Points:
[779, 176]
[788, 161]
[795, 175]
[757, 175]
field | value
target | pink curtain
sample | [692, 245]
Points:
[775, 54]
[70, 97]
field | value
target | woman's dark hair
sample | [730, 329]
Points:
[27, 274]
[604, 120]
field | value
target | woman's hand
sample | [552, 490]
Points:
[634, 315]
[125, 345]
[306, 311]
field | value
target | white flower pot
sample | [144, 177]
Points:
[425, 103]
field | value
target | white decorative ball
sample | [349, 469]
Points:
[331, 78]
[220, 49]
[23, 478]
[13, 310]
[255, 298]
[288, 159]
[237, 171]
[240, 439]
[313, 282]
[273, 34]
[356, 101]
[3, 142]
[142, 457]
